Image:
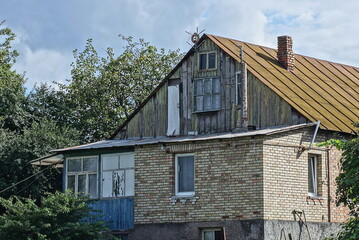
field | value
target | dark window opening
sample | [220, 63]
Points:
[203, 61]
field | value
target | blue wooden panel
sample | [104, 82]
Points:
[117, 212]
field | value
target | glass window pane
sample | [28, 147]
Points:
[208, 86]
[312, 168]
[186, 174]
[218, 235]
[216, 101]
[203, 61]
[207, 101]
[208, 235]
[211, 60]
[71, 183]
[93, 185]
[199, 103]
[90, 164]
[130, 182]
[239, 89]
[199, 87]
[107, 184]
[81, 189]
[127, 161]
[74, 165]
[216, 85]
[110, 162]
[118, 183]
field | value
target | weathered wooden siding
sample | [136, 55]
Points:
[266, 108]
[151, 120]
[117, 213]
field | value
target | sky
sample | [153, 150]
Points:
[48, 31]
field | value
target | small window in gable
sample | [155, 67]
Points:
[118, 175]
[238, 88]
[81, 175]
[207, 94]
[208, 61]
[313, 176]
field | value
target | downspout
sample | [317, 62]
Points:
[315, 135]
[328, 182]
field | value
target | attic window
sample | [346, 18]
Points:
[239, 88]
[207, 61]
[207, 94]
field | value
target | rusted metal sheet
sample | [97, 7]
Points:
[318, 89]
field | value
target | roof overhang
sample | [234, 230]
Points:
[121, 143]
[55, 159]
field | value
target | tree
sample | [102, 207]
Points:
[12, 89]
[103, 91]
[347, 184]
[16, 150]
[62, 216]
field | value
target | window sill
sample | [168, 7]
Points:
[183, 199]
[319, 198]
[206, 111]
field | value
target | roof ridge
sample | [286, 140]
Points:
[306, 56]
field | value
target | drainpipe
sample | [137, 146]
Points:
[328, 181]
[315, 134]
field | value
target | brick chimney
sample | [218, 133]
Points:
[285, 53]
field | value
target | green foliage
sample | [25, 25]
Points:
[103, 91]
[16, 150]
[347, 184]
[59, 216]
[11, 85]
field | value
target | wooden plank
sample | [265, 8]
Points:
[184, 94]
[190, 94]
[117, 213]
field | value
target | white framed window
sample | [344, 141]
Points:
[212, 234]
[207, 61]
[81, 175]
[207, 95]
[118, 175]
[239, 88]
[184, 184]
[313, 176]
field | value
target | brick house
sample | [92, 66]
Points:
[225, 148]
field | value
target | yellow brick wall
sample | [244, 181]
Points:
[236, 179]
[285, 171]
[228, 182]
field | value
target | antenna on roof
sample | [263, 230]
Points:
[195, 37]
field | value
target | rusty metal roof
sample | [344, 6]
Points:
[318, 89]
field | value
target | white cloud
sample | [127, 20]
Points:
[43, 65]
[326, 29]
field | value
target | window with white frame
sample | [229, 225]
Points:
[207, 61]
[313, 176]
[239, 88]
[118, 175]
[81, 175]
[207, 94]
[184, 175]
[212, 234]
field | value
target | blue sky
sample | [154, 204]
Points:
[48, 30]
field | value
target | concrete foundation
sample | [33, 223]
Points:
[235, 230]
